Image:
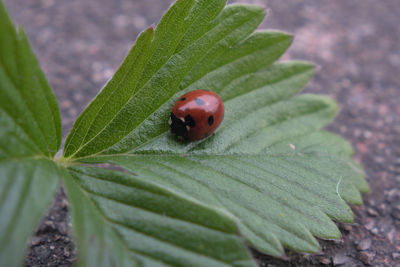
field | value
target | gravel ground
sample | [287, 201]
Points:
[356, 45]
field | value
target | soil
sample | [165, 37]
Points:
[356, 46]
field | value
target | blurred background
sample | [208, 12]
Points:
[355, 44]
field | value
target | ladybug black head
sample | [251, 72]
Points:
[178, 126]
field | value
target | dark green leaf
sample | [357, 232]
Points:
[263, 169]
[202, 42]
[26, 190]
[269, 164]
[29, 113]
[30, 134]
[98, 243]
[119, 217]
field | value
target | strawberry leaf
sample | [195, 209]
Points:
[269, 164]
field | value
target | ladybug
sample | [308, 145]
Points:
[196, 115]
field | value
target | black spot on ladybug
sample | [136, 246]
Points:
[211, 120]
[178, 127]
[206, 135]
[199, 101]
[189, 121]
[183, 99]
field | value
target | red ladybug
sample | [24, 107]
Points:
[196, 115]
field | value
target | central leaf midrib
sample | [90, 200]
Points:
[233, 156]
[104, 157]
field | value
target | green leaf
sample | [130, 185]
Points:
[29, 115]
[263, 169]
[269, 174]
[120, 217]
[194, 41]
[269, 164]
[26, 189]
[30, 133]
[98, 244]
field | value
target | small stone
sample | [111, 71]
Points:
[50, 224]
[357, 132]
[370, 225]
[396, 212]
[63, 228]
[47, 226]
[64, 204]
[47, 3]
[340, 259]
[372, 212]
[392, 195]
[347, 227]
[396, 256]
[367, 134]
[67, 253]
[382, 209]
[66, 104]
[375, 231]
[73, 259]
[379, 159]
[346, 83]
[41, 252]
[51, 247]
[366, 257]
[325, 261]
[364, 244]
[35, 241]
[339, 241]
